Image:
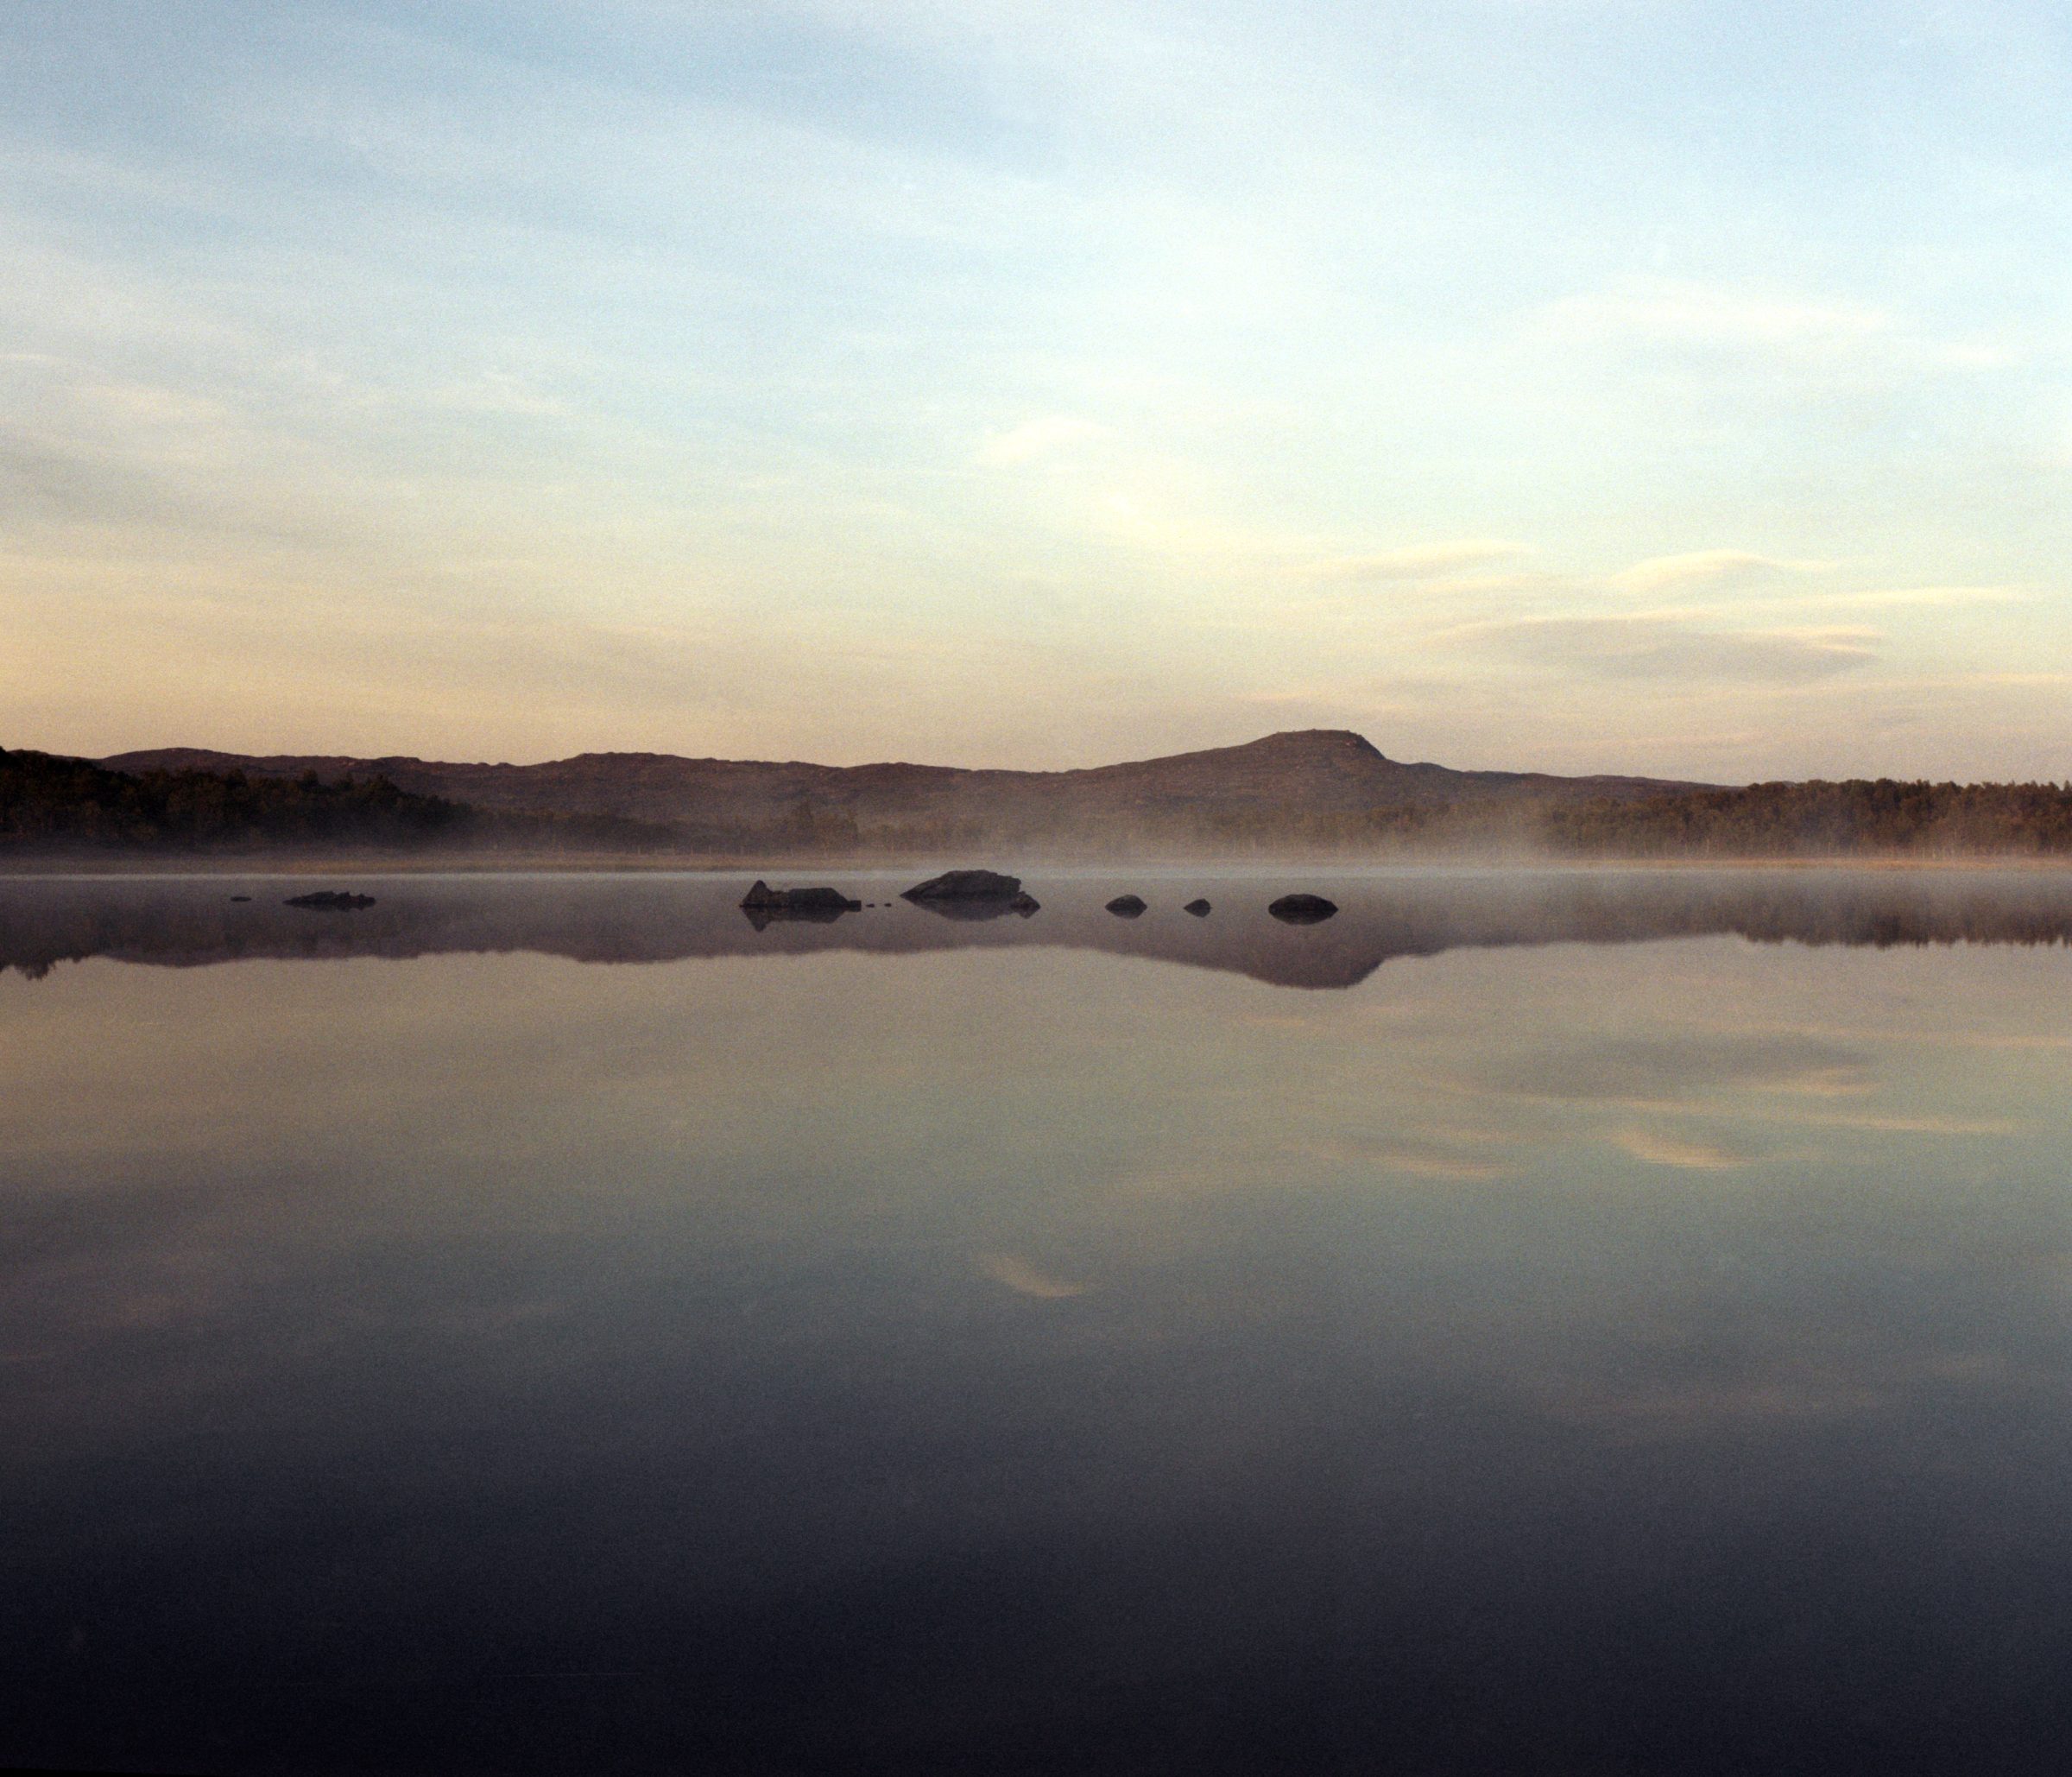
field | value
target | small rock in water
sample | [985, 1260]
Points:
[1302, 909]
[1199, 908]
[799, 901]
[330, 900]
[241, 897]
[1025, 904]
[1128, 905]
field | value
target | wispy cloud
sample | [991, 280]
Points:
[1941, 598]
[1699, 567]
[1660, 1150]
[1672, 645]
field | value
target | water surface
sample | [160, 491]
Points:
[1573, 1322]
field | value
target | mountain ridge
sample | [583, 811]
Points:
[1320, 772]
[1311, 793]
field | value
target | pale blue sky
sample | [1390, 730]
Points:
[1577, 383]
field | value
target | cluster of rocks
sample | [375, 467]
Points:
[329, 900]
[1291, 909]
[983, 894]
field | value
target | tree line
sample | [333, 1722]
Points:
[1854, 818]
[50, 803]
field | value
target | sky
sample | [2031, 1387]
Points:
[1636, 385]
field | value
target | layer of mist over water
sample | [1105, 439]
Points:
[1624, 1328]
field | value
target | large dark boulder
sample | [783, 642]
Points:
[1128, 905]
[799, 901]
[330, 901]
[966, 885]
[1302, 909]
[1198, 907]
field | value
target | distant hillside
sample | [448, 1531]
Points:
[50, 804]
[46, 801]
[1319, 792]
[1316, 787]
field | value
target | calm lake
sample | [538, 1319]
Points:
[1566, 1322]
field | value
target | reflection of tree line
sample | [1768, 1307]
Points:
[602, 918]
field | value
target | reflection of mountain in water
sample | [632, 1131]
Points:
[602, 918]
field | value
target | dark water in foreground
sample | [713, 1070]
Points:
[1605, 1324]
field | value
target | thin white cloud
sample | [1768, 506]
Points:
[1944, 598]
[1672, 645]
[1659, 572]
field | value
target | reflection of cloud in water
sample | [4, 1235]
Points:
[1025, 1279]
[1661, 1150]
[1913, 1125]
[1834, 1083]
[1664, 1068]
[1414, 1160]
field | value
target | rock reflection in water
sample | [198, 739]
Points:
[762, 918]
[180, 923]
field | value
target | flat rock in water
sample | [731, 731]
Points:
[1025, 905]
[330, 900]
[799, 901]
[1302, 909]
[1128, 905]
[966, 885]
[1199, 908]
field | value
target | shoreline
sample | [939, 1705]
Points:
[277, 864]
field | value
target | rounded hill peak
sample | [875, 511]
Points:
[1333, 743]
